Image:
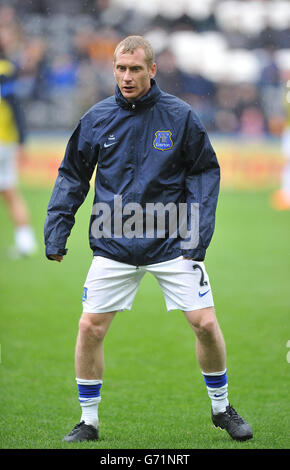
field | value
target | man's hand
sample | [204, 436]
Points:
[58, 258]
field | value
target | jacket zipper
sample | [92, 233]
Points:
[136, 172]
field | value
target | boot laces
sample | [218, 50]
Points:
[234, 415]
[76, 427]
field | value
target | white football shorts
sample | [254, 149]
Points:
[8, 166]
[111, 286]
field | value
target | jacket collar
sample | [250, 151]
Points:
[145, 101]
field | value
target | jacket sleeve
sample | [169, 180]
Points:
[69, 192]
[202, 182]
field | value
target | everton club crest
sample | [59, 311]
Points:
[163, 140]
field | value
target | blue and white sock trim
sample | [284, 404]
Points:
[89, 390]
[215, 379]
[217, 388]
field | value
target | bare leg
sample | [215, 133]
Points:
[16, 207]
[210, 345]
[89, 368]
[89, 353]
[24, 237]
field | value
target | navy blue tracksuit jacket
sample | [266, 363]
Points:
[154, 150]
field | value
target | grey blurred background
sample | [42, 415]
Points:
[229, 59]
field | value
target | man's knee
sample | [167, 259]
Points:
[94, 326]
[203, 321]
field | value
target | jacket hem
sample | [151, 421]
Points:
[157, 259]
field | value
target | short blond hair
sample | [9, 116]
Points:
[131, 43]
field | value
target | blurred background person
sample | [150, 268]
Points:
[280, 199]
[12, 149]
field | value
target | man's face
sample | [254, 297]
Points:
[133, 74]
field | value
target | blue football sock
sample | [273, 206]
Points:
[217, 387]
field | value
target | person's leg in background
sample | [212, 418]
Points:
[24, 237]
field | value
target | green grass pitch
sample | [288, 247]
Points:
[153, 395]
